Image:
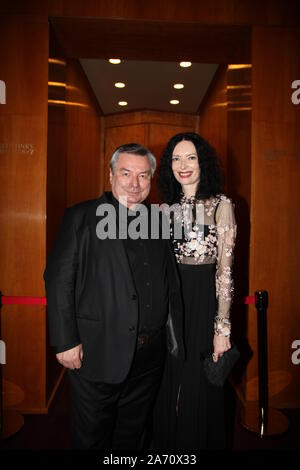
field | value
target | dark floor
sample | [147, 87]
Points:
[51, 431]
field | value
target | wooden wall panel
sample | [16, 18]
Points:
[56, 171]
[23, 147]
[275, 206]
[213, 12]
[212, 123]
[225, 121]
[148, 117]
[238, 177]
[83, 137]
[141, 40]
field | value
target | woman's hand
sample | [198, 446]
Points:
[221, 345]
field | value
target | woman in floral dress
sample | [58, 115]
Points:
[190, 411]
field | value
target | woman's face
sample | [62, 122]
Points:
[185, 166]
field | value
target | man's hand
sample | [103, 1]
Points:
[221, 345]
[71, 359]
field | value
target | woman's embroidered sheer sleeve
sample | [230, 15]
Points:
[226, 235]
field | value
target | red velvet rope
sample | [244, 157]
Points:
[14, 300]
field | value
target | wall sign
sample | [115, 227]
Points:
[26, 149]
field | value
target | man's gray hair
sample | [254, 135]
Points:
[134, 149]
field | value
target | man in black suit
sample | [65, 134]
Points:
[113, 302]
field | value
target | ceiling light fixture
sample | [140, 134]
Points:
[119, 85]
[238, 87]
[114, 61]
[56, 61]
[122, 103]
[60, 84]
[239, 66]
[178, 86]
[69, 103]
[174, 101]
[185, 64]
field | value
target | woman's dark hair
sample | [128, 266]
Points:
[211, 171]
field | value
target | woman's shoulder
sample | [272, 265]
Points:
[224, 209]
[216, 201]
[222, 198]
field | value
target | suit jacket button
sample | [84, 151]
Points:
[131, 328]
[134, 297]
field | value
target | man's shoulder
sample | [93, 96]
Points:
[84, 207]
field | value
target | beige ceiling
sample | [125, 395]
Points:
[149, 85]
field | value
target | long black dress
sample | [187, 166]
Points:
[189, 412]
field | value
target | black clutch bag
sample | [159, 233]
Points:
[217, 372]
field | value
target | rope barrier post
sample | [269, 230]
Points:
[1, 391]
[261, 304]
[258, 417]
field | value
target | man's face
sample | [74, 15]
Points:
[131, 178]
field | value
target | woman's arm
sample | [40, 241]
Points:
[226, 235]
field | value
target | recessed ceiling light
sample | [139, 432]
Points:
[122, 103]
[174, 101]
[57, 61]
[185, 64]
[114, 61]
[237, 87]
[178, 86]
[239, 66]
[60, 84]
[119, 85]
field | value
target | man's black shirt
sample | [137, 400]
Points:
[148, 262]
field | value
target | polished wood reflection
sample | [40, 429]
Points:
[275, 195]
[215, 12]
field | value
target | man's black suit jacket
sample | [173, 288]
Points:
[91, 297]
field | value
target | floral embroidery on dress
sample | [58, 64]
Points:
[207, 241]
